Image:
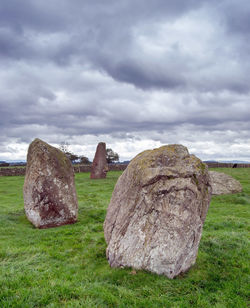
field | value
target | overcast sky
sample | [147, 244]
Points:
[134, 74]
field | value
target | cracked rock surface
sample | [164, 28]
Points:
[49, 188]
[157, 210]
[223, 184]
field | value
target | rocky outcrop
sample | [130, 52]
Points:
[156, 214]
[223, 184]
[49, 189]
[99, 167]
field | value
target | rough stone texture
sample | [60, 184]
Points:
[156, 214]
[223, 184]
[99, 167]
[49, 188]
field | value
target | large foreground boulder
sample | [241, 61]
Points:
[99, 167]
[223, 184]
[49, 189]
[156, 214]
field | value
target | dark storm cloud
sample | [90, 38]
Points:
[103, 36]
[84, 30]
[131, 72]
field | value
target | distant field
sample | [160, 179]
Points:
[67, 267]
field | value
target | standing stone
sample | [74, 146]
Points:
[157, 210]
[49, 189]
[99, 167]
[223, 184]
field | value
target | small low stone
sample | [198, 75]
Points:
[223, 183]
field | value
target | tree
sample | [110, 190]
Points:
[84, 160]
[72, 157]
[111, 156]
[64, 147]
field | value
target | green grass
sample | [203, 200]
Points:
[67, 267]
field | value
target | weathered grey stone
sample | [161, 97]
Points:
[157, 210]
[49, 189]
[99, 167]
[223, 184]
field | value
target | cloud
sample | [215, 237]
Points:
[133, 74]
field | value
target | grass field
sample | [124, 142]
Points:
[66, 266]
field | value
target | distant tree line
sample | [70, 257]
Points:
[12, 164]
[4, 164]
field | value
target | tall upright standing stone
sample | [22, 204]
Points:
[99, 167]
[157, 210]
[49, 192]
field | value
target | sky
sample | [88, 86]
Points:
[134, 74]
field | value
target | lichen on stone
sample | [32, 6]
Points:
[155, 216]
[49, 189]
